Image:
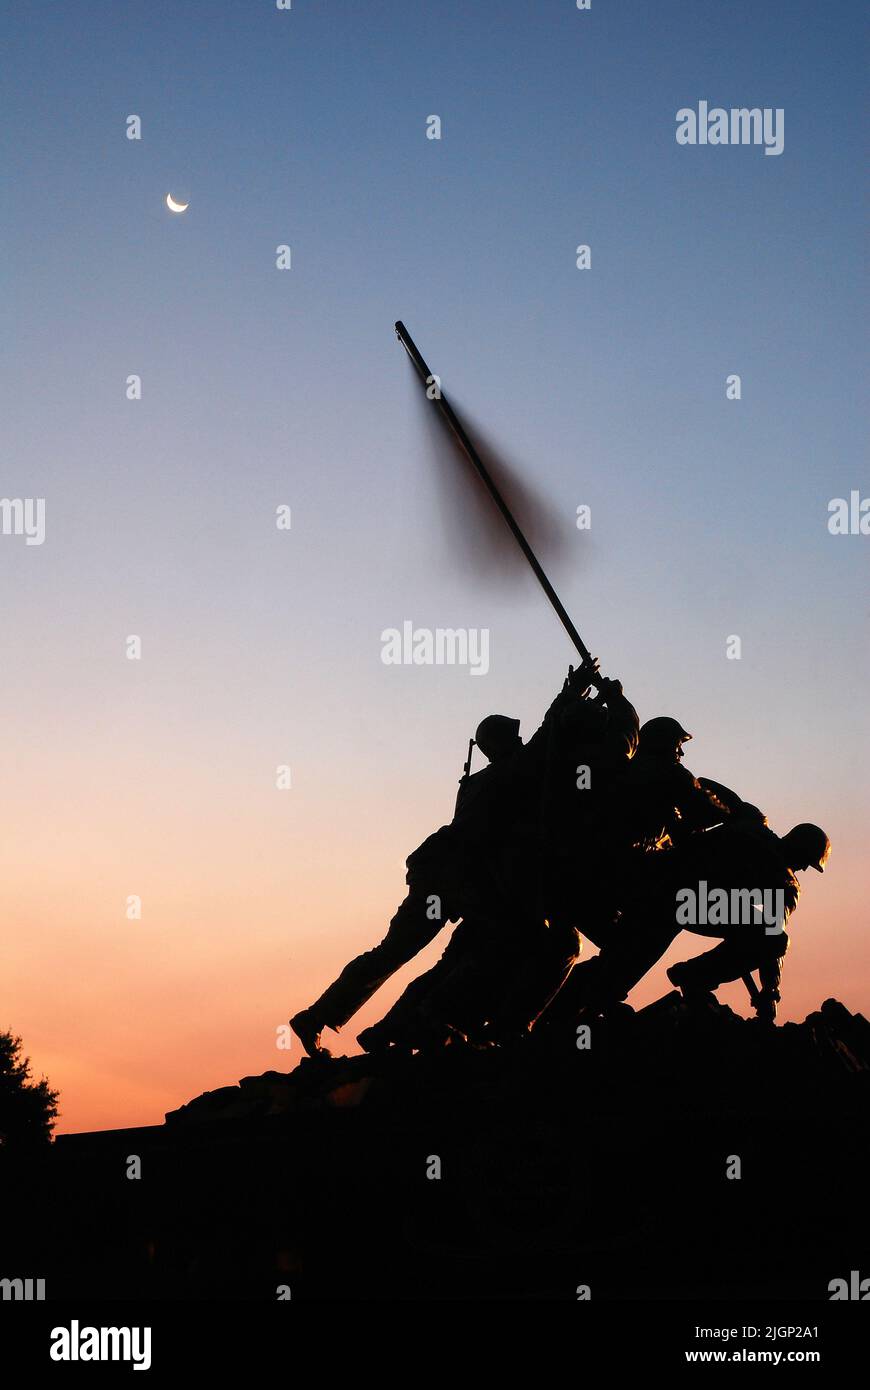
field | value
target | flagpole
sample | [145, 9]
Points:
[480, 468]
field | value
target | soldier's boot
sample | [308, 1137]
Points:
[765, 1010]
[307, 1028]
[695, 994]
[431, 1031]
[377, 1038]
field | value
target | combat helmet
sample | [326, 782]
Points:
[663, 735]
[496, 734]
[810, 843]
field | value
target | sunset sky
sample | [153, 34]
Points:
[263, 387]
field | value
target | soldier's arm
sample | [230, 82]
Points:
[566, 706]
[537, 742]
[770, 978]
[623, 725]
[699, 806]
[741, 812]
[571, 705]
[770, 975]
[722, 795]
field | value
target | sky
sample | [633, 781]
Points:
[264, 388]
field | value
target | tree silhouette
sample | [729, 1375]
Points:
[28, 1109]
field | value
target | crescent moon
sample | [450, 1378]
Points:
[175, 207]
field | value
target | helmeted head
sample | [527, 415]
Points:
[663, 735]
[498, 735]
[806, 847]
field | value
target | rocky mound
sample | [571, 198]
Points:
[708, 1059]
[667, 1154]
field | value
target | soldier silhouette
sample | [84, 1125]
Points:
[434, 877]
[518, 940]
[748, 863]
[469, 862]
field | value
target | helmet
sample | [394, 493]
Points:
[496, 734]
[809, 842]
[662, 735]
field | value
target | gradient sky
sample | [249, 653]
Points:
[260, 387]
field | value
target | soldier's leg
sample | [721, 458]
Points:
[398, 1023]
[632, 953]
[541, 972]
[633, 950]
[732, 959]
[411, 929]
[454, 995]
[476, 966]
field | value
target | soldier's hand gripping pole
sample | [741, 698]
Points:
[442, 404]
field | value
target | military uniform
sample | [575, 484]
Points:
[442, 883]
[731, 857]
[518, 940]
